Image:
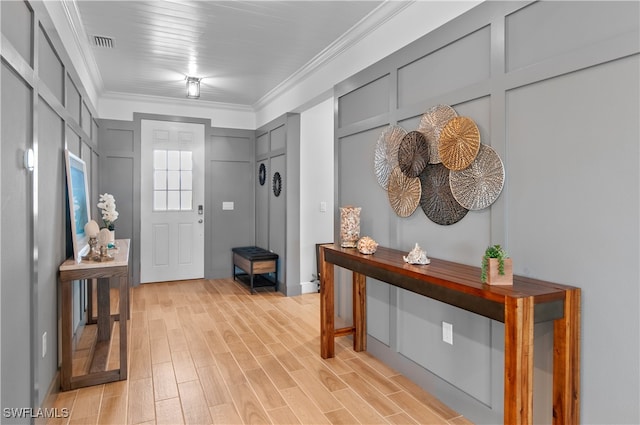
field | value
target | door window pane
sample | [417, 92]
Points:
[173, 200]
[185, 200]
[172, 180]
[159, 180]
[159, 200]
[186, 180]
[173, 160]
[185, 161]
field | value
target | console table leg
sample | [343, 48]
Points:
[518, 361]
[566, 362]
[359, 312]
[124, 310]
[104, 309]
[327, 321]
[67, 330]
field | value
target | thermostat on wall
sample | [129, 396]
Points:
[227, 205]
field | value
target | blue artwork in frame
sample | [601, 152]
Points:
[79, 210]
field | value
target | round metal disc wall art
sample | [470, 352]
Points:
[413, 154]
[459, 143]
[386, 154]
[276, 184]
[479, 185]
[431, 125]
[437, 201]
[404, 192]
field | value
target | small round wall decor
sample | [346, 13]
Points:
[386, 153]
[262, 174]
[459, 143]
[277, 184]
[413, 154]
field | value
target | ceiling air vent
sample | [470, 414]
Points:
[102, 41]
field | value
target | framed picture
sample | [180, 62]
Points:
[78, 190]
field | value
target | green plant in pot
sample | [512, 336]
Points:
[498, 253]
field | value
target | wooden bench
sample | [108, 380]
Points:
[256, 263]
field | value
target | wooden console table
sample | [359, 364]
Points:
[70, 270]
[519, 307]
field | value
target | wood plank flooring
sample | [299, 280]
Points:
[208, 352]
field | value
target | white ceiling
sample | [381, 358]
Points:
[244, 50]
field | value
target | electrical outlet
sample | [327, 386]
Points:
[44, 344]
[447, 332]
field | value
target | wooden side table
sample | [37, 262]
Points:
[102, 272]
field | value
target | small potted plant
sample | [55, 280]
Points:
[497, 267]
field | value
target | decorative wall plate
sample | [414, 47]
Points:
[459, 143]
[413, 154]
[386, 154]
[437, 201]
[479, 185]
[404, 193]
[431, 125]
[262, 174]
[277, 184]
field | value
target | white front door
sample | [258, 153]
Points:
[172, 201]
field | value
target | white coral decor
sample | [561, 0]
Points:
[417, 256]
[108, 206]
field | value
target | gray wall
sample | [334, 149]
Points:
[554, 88]
[119, 175]
[278, 217]
[230, 177]
[42, 108]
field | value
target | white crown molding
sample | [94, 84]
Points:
[196, 103]
[381, 14]
[76, 27]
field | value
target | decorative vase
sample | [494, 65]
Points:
[349, 226]
[112, 239]
[493, 275]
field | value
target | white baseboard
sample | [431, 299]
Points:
[308, 287]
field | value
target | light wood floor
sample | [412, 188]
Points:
[206, 351]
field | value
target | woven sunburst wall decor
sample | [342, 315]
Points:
[442, 166]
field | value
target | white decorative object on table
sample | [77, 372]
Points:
[107, 206]
[366, 245]
[416, 256]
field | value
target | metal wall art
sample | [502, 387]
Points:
[262, 174]
[277, 184]
[437, 201]
[479, 185]
[404, 192]
[386, 155]
[431, 125]
[443, 167]
[459, 143]
[413, 154]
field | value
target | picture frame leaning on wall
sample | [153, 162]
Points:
[79, 209]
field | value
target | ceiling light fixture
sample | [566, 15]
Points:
[193, 87]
